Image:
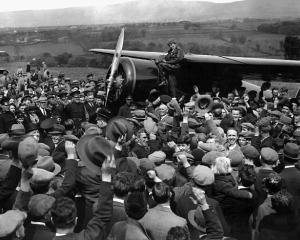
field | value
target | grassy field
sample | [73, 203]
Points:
[40, 48]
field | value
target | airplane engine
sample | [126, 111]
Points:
[134, 76]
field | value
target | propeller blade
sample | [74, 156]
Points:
[115, 62]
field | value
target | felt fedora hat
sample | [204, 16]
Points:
[118, 127]
[93, 150]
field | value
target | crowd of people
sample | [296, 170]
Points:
[213, 167]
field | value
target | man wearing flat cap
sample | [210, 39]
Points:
[168, 65]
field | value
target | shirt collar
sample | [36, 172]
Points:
[60, 234]
[289, 166]
[115, 199]
[38, 223]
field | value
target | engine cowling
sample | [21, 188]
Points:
[136, 77]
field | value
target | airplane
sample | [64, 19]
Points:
[137, 73]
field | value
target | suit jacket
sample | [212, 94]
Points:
[8, 187]
[159, 220]
[37, 232]
[258, 143]
[279, 227]
[91, 110]
[96, 226]
[118, 214]
[291, 177]
[124, 111]
[41, 115]
[128, 230]
[5, 162]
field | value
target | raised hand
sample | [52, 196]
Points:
[107, 168]
[70, 149]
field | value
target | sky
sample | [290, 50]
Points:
[18, 5]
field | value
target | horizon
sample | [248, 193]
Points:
[20, 5]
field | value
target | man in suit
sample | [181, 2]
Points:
[42, 111]
[39, 215]
[91, 107]
[136, 208]
[290, 174]
[160, 219]
[123, 182]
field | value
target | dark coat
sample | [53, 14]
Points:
[175, 56]
[75, 111]
[91, 110]
[41, 116]
[59, 154]
[5, 162]
[279, 227]
[124, 111]
[37, 232]
[258, 143]
[118, 215]
[7, 119]
[291, 177]
[8, 187]
[225, 188]
[259, 188]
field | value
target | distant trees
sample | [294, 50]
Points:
[63, 59]
[291, 47]
[285, 27]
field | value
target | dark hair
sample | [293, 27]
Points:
[136, 205]
[69, 124]
[282, 202]
[123, 182]
[186, 139]
[247, 175]
[40, 187]
[139, 184]
[178, 233]
[64, 213]
[273, 183]
[161, 192]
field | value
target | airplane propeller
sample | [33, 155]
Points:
[115, 63]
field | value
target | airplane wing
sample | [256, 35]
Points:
[196, 58]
